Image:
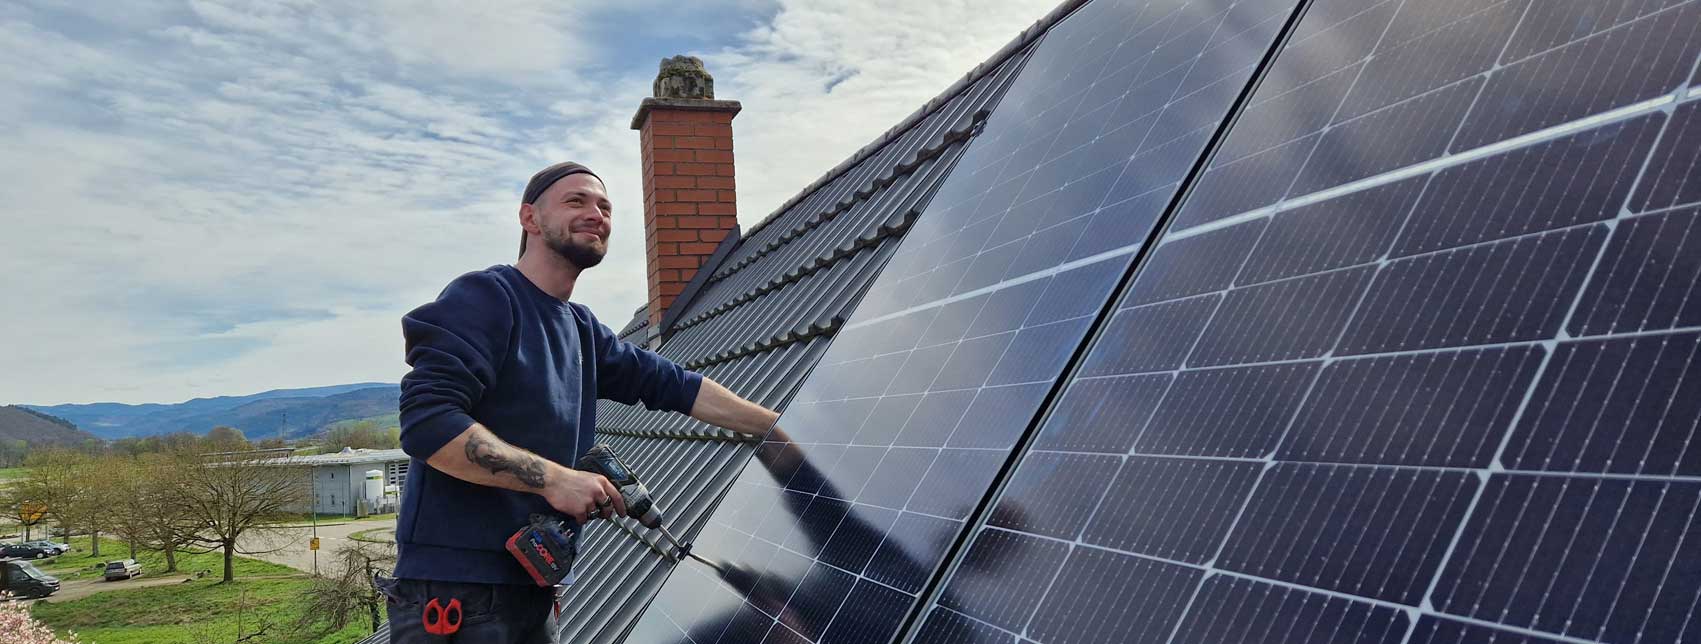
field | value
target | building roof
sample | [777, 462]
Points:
[349, 456]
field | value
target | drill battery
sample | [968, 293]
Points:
[545, 549]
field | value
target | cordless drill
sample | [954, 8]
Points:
[602, 460]
[545, 548]
[639, 504]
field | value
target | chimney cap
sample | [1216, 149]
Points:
[683, 84]
[684, 77]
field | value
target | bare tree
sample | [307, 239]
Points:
[64, 481]
[227, 499]
[335, 599]
[362, 434]
[166, 520]
[123, 485]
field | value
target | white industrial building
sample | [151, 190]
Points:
[355, 481]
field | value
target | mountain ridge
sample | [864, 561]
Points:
[291, 413]
[36, 427]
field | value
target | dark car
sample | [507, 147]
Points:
[27, 551]
[57, 548]
[23, 579]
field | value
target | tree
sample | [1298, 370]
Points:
[361, 434]
[125, 489]
[166, 520]
[337, 598]
[271, 443]
[87, 505]
[65, 481]
[225, 439]
[13, 451]
[227, 499]
[17, 627]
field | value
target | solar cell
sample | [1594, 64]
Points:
[1416, 360]
[913, 413]
[1231, 609]
[1671, 179]
[1435, 630]
[1608, 560]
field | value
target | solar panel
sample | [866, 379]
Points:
[1416, 361]
[896, 437]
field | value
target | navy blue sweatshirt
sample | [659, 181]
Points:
[496, 349]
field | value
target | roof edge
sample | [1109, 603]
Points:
[1027, 37]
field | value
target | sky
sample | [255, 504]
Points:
[219, 198]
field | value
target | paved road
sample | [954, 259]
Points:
[80, 588]
[289, 547]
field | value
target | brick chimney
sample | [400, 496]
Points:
[689, 204]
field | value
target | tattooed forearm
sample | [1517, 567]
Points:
[498, 458]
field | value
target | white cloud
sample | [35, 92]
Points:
[821, 80]
[220, 198]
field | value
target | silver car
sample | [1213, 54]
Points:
[122, 569]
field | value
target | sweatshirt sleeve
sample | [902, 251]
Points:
[629, 374]
[455, 346]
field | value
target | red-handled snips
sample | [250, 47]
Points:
[440, 619]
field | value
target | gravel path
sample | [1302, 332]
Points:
[289, 546]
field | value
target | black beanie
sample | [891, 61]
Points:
[548, 176]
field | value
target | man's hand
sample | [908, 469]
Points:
[478, 456]
[717, 405]
[583, 495]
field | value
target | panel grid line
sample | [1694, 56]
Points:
[1020, 452]
[978, 520]
[1479, 490]
[1486, 75]
[1661, 103]
[1523, 407]
[1211, 572]
[1439, 163]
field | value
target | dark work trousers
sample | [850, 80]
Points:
[490, 613]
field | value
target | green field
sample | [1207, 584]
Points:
[189, 612]
[10, 473]
[79, 564]
[192, 612]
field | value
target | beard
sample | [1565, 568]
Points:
[581, 255]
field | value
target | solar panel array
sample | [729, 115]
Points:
[963, 337]
[1416, 361]
[763, 318]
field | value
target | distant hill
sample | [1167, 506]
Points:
[300, 412]
[38, 428]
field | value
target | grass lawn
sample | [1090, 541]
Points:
[79, 564]
[10, 473]
[191, 612]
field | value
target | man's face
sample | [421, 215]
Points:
[575, 218]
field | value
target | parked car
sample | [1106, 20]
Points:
[27, 551]
[122, 569]
[23, 579]
[58, 548]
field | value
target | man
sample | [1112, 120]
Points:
[502, 400]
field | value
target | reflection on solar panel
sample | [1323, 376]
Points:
[1416, 361]
[896, 437]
